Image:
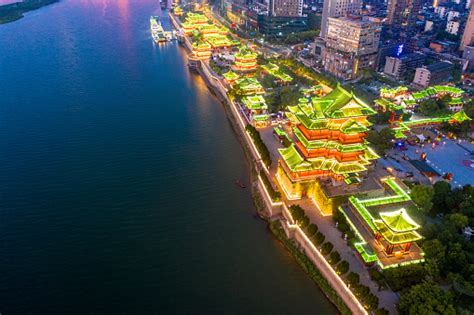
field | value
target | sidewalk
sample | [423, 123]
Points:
[387, 298]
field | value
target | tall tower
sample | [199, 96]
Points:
[337, 8]
[468, 35]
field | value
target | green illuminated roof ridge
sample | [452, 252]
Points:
[399, 221]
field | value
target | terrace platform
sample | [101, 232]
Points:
[386, 261]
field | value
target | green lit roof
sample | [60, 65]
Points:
[393, 90]
[383, 102]
[460, 116]
[399, 221]
[230, 75]
[353, 126]
[245, 53]
[396, 238]
[254, 102]
[365, 252]
[313, 89]
[248, 83]
[261, 117]
[339, 103]
[456, 101]
[345, 104]
[297, 163]
[275, 71]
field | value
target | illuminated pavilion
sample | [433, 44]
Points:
[330, 143]
[245, 60]
[201, 50]
[385, 233]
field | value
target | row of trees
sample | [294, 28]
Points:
[261, 147]
[274, 194]
[362, 292]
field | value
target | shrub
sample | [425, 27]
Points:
[304, 222]
[274, 194]
[353, 279]
[312, 229]
[334, 258]
[381, 311]
[342, 267]
[361, 290]
[326, 248]
[318, 238]
[261, 147]
[371, 301]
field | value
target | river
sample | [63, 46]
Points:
[117, 170]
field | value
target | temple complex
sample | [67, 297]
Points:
[329, 142]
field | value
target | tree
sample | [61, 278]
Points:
[404, 277]
[334, 258]
[381, 311]
[371, 301]
[425, 298]
[428, 107]
[456, 259]
[312, 229]
[442, 190]
[458, 220]
[326, 248]
[319, 238]
[422, 196]
[303, 222]
[342, 267]
[353, 278]
[382, 140]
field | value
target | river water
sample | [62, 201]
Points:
[117, 171]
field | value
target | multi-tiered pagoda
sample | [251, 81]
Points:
[329, 142]
[245, 60]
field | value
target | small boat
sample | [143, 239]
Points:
[240, 184]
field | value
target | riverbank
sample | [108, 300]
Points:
[326, 278]
[15, 11]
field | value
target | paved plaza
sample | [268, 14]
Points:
[450, 156]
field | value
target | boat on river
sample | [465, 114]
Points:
[157, 32]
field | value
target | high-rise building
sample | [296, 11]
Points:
[351, 45]
[468, 35]
[286, 8]
[402, 14]
[337, 8]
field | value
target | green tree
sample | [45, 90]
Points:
[458, 220]
[353, 279]
[318, 238]
[326, 248]
[312, 229]
[428, 107]
[425, 298]
[442, 190]
[422, 196]
[456, 259]
[334, 258]
[342, 267]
